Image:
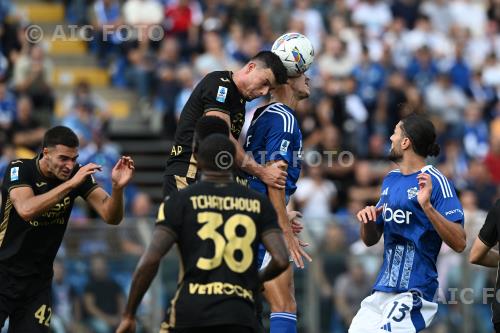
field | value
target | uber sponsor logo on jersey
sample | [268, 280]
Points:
[221, 94]
[14, 174]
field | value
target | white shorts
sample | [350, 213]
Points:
[390, 312]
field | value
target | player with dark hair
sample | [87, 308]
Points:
[37, 198]
[418, 210]
[275, 131]
[206, 126]
[223, 94]
[217, 225]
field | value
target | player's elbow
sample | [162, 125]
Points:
[460, 246]
[26, 213]
[282, 262]
[474, 258]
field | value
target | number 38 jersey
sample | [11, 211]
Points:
[218, 228]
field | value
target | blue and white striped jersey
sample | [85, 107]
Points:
[274, 134]
[411, 244]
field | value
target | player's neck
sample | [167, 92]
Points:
[44, 168]
[287, 99]
[411, 163]
[217, 176]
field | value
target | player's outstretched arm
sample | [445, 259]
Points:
[275, 245]
[110, 208]
[28, 205]
[484, 255]
[277, 198]
[144, 274]
[453, 234]
[370, 231]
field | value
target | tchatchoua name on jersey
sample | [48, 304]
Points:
[225, 203]
[220, 288]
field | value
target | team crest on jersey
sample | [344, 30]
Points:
[284, 146]
[412, 193]
[221, 94]
[14, 174]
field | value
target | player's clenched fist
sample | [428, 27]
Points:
[369, 214]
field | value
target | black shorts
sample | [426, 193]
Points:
[27, 302]
[175, 183]
[213, 329]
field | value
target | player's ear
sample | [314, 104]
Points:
[250, 67]
[45, 151]
[405, 143]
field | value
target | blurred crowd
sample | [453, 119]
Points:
[375, 62]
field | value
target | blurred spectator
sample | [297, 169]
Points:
[106, 19]
[455, 164]
[460, 71]
[103, 299]
[407, 10]
[214, 58]
[479, 181]
[335, 61]
[185, 78]
[492, 159]
[422, 70]
[446, 101]
[66, 304]
[7, 107]
[469, 14]
[312, 20]
[167, 86]
[26, 132]
[365, 186]
[330, 263]
[142, 12]
[83, 94]
[476, 134]
[315, 197]
[391, 99]
[83, 122]
[277, 15]
[33, 77]
[481, 93]
[370, 78]
[374, 15]
[350, 289]
[439, 13]
[182, 21]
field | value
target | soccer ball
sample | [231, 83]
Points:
[295, 51]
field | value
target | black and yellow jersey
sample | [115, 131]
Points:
[215, 92]
[29, 247]
[217, 228]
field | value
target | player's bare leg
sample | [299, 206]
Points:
[280, 294]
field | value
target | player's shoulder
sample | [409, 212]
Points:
[439, 181]
[393, 173]
[278, 114]
[22, 163]
[217, 78]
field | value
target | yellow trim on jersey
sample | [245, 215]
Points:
[193, 168]
[160, 217]
[5, 222]
[180, 182]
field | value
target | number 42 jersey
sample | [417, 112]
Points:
[218, 228]
[411, 244]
